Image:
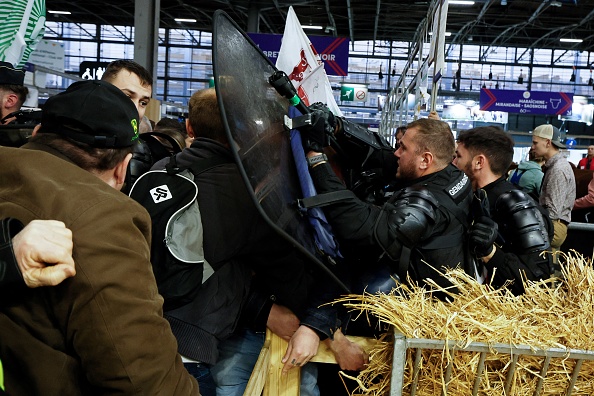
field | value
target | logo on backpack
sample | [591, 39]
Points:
[160, 194]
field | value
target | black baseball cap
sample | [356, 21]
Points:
[9, 75]
[92, 112]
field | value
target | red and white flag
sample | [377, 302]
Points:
[298, 58]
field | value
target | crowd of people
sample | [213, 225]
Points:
[81, 312]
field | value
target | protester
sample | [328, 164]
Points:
[246, 255]
[39, 254]
[133, 79]
[103, 323]
[12, 91]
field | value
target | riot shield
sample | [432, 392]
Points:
[254, 114]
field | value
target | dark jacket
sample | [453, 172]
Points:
[101, 331]
[9, 269]
[237, 241]
[511, 260]
[355, 221]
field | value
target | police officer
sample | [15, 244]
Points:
[510, 230]
[422, 226]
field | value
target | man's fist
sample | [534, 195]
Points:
[317, 135]
[482, 235]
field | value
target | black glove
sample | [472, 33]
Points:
[482, 235]
[317, 135]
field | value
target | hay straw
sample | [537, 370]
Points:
[549, 315]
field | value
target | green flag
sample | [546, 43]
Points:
[22, 25]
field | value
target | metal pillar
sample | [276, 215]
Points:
[146, 35]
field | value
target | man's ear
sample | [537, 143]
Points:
[119, 172]
[10, 100]
[189, 129]
[480, 161]
[427, 160]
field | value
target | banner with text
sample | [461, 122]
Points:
[334, 51]
[526, 102]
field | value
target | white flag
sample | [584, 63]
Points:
[298, 58]
[437, 49]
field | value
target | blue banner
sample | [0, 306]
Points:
[526, 102]
[334, 51]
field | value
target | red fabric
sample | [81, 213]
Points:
[583, 164]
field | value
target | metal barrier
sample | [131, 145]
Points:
[401, 344]
[580, 237]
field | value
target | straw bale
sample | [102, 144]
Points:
[558, 313]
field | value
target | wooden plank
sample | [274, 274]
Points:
[279, 384]
[257, 380]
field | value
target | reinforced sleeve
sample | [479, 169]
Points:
[351, 219]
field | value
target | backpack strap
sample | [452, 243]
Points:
[515, 179]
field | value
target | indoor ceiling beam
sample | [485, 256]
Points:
[351, 28]
[511, 31]
[569, 28]
[330, 17]
[377, 13]
[462, 33]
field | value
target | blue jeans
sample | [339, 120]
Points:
[237, 358]
[201, 372]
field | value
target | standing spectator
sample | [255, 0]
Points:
[587, 201]
[588, 161]
[557, 194]
[528, 175]
[102, 331]
[511, 233]
[12, 91]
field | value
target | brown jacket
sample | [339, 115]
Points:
[101, 332]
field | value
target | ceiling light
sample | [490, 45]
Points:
[570, 40]
[461, 2]
[447, 34]
[185, 20]
[59, 12]
[312, 27]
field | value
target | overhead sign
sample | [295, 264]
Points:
[333, 51]
[48, 54]
[89, 70]
[526, 102]
[353, 93]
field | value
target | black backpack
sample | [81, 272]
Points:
[177, 255]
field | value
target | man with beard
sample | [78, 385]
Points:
[510, 231]
[421, 229]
